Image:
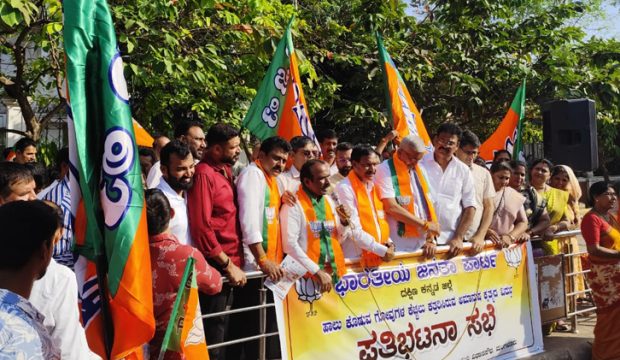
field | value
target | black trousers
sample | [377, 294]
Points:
[239, 325]
[216, 327]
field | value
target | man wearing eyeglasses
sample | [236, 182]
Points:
[452, 188]
[485, 192]
[302, 150]
[406, 200]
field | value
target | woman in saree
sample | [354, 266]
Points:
[601, 232]
[509, 219]
[535, 206]
[556, 204]
[563, 178]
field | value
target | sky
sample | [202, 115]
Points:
[607, 26]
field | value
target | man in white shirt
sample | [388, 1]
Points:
[327, 227]
[302, 150]
[366, 209]
[328, 140]
[177, 168]
[409, 216]
[257, 214]
[189, 132]
[343, 162]
[485, 192]
[452, 188]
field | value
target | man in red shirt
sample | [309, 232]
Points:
[214, 226]
[168, 261]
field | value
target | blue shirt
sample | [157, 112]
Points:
[22, 334]
[60, 194]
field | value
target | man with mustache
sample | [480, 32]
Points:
[214, 227]
[406, 199]
[452, 188]
[485, 192]
[312, 229]
[259, 207]
[328, 140]
[357, 191]
[343, 162]
[177, 168]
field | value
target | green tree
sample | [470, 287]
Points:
[30, 36]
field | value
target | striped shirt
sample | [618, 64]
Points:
[58, 192]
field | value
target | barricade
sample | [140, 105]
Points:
[571, 273]
[571, 297]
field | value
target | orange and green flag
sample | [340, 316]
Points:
[106, 185]
[185, 334]
[279, 107]
[508, 135]
[405, 116]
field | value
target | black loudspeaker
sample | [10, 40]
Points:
[569, 133]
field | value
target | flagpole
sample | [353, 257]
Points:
[244, 144]
[108, 328]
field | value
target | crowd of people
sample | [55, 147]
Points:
[317, 203]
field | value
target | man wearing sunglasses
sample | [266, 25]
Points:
[302, 150]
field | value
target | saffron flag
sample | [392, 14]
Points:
[143, 138]
[508, 134]
[185, 334]
[106, 185]
[406, 118]
[279, 107]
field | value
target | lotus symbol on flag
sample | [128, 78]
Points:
[308, 291]
[196, 333]
[513, 256]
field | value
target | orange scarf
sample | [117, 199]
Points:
[367, 210]
[402, 183]
[321, 231]
[272, 240]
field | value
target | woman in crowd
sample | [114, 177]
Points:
[563, 178]
[556, 203]
[535, 206]
[601, 232]
[509, 219]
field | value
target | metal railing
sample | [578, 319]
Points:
[262, 317]
[571, 273]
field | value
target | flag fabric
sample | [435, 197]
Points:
[405, 116]
[143, 138]
[508, 134]
[185, 333]
[279, 107]
[106, 184]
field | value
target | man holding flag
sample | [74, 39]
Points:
[106, 187]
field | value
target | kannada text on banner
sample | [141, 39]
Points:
[478, 307]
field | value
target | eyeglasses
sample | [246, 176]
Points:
[612, 194]
[308, 153]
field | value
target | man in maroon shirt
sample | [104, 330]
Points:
[168, 261]
[214, 226]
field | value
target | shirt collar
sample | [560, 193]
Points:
[162, 237]
[167, 189]
[12, 299]
[294, 172]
